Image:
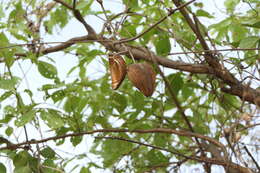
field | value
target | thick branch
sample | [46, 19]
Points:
[66, 44]
[245, 93]
[141, 53]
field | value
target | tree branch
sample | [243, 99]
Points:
[137, 52]
[158, 130]
[245, 93]
[137, 142]
[251, 156]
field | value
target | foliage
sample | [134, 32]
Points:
[59, 102]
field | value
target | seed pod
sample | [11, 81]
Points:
[117, 68]
[143, 77]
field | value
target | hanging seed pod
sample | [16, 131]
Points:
[143, 77]
[117, 68]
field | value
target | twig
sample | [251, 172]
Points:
[107, 18]
[250, 155]
[248, 127]
[137, 142]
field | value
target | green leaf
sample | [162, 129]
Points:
[137, 100]
[48, 153]
[176, 82]
[84, 5]
[49, 163]
[75, 140]
[186, 91]
[9, 131]
[2, 168]
[70, 105]
[203, 13]
[231, 4]
[128, 30]
[238, 31]
[8, 84]
[47, 70]
[58, 95]
[161, 139]
[131, 3]
[162, 44]
[256, 25]
[5, 95]
[113, 149]
[249, 42]
[156, 157]
[21, 159]
[119, 102]
[3, 40]
[25, 118]
[53, 118]
[2, 13]
[84, 170]
[24, 169]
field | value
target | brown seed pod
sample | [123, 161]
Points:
[143, 77]
[117, 68]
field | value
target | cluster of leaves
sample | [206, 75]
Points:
[86, 104]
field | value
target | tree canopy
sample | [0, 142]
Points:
[185, 86]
